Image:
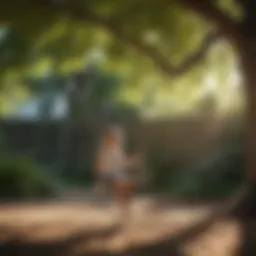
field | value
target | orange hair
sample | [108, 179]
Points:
[109, 138]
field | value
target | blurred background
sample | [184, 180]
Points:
[51, 125]
[64, 80]
[54, 112]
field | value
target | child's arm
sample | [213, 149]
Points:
[133, 161]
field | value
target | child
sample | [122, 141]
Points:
[113, 169]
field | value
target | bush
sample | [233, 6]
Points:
[218, 178]
[21, 177]
[162, 171]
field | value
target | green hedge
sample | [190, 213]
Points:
[216, 177]
[21, 177]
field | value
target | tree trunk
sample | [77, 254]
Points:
[248, 65]
[247, 53]
[250, 90]
[247, 206]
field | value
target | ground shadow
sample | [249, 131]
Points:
[244, 211]
[14, 247]
[248, 238]
[171, 245]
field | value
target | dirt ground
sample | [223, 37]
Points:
[77, 228]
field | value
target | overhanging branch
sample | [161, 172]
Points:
[209, 11]
[160, 60]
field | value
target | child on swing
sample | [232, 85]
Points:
[113, 167]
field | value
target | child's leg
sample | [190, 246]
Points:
[124, 191]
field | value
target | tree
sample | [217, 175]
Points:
[224, 19]
[90, 92]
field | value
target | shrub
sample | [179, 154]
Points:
[20, 177]
[217, 178]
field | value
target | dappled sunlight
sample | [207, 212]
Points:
[222, 239]
[82, 228]
[123, 127]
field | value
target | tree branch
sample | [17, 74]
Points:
[160, 60]
[209, 11]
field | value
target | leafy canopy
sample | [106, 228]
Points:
[38, 34]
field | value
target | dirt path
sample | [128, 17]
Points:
[78, 228]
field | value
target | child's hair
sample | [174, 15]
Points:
[114, 133]
[109, 137]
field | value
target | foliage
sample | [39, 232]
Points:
[126, 111]
[50, 27]
[40, 28]
[103, 91]
[161, 170]
[101, 97]
[216, 178]
[37, 40]
[21, 177]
